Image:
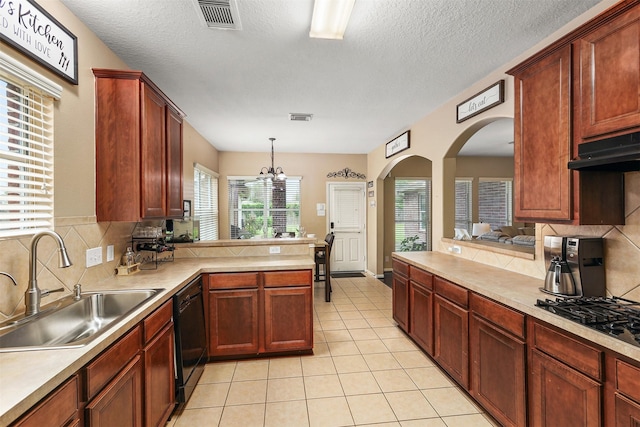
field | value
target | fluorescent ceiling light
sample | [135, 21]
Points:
[330, 18]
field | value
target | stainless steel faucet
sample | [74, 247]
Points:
[34, 294]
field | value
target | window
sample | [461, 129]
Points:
[263, 208]
[412, 214]
[495, 202]
[26, 149]
[205, 201]
[464, 218]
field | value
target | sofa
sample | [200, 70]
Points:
[520, 236]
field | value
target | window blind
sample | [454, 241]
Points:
[464, 201]
[263, 207]
[26, 159]
[495, 202]
[205, 201]
[412, 214]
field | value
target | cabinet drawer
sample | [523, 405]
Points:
[110, 362]
[233, 280]
[421, 277]
[451, 291]
[504, 317]
[155, 321]
[56, 409]
[563, 347]
[287, 278]
[628, 380]
[400, 267]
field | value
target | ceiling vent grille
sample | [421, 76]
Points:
[300, 117]
[219, 14]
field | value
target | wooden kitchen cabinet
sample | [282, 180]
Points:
[288, 311]
[233, 314]
[138, 149]
[582, 86]
[622, 398]
[120, 403]
[159, 370]
[565, 379]
[260, 313]
[421, 308]
[59, 408]
[451, 329]
[400, 286]
[608, 95]
[498, 360]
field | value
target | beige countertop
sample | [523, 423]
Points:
[512, 289]
[28, 376]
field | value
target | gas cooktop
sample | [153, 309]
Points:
[615, 316]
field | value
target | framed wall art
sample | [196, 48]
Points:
[396, 145]
[482, 101]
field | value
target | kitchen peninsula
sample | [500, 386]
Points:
[29, 376]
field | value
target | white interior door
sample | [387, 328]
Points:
[347, 207]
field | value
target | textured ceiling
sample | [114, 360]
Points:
[399, 60]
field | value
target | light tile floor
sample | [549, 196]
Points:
[364, 371]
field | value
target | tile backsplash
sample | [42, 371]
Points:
[621, 244]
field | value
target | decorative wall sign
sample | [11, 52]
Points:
[30, 29]
[488, 98]
[370, 184]
[397, 145]
[371, 193]
[346, 173]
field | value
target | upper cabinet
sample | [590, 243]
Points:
[609, 76]
[138, 149]
[582, 88]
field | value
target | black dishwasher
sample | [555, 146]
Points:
[191, 340]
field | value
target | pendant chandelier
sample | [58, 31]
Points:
[272, 173]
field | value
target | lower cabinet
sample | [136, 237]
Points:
[400, 286]
[421, 308]
[451, 330]
[159, 371]
[498, 360]
[565, 379]
[260, 312]
[120, 403]
[59, 408]
[626, 393]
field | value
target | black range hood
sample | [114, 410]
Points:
[620, 154]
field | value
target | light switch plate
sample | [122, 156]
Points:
[109, 253]
[94, 256]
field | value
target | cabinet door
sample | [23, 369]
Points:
[627, 412]
[421, 316]
[451, 335]
[60, 408]
[561, 396]
[498, 367]
[543, 139]
[233, 322]
[610, 76]
[288, 319]
[174, 164]
[401, 301]
[120, 403]
[152, 154]
[159, 378]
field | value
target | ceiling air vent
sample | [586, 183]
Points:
[219, 13]
[300, 117]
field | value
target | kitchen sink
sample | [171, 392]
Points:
[71, 322]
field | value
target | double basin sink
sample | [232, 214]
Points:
[71, 322]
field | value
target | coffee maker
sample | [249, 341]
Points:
[576, 266]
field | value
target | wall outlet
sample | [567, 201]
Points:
[274, 249]
[94, 256]
[455, 249]
[109, 253]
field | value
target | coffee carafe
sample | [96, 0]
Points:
[559, 279]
